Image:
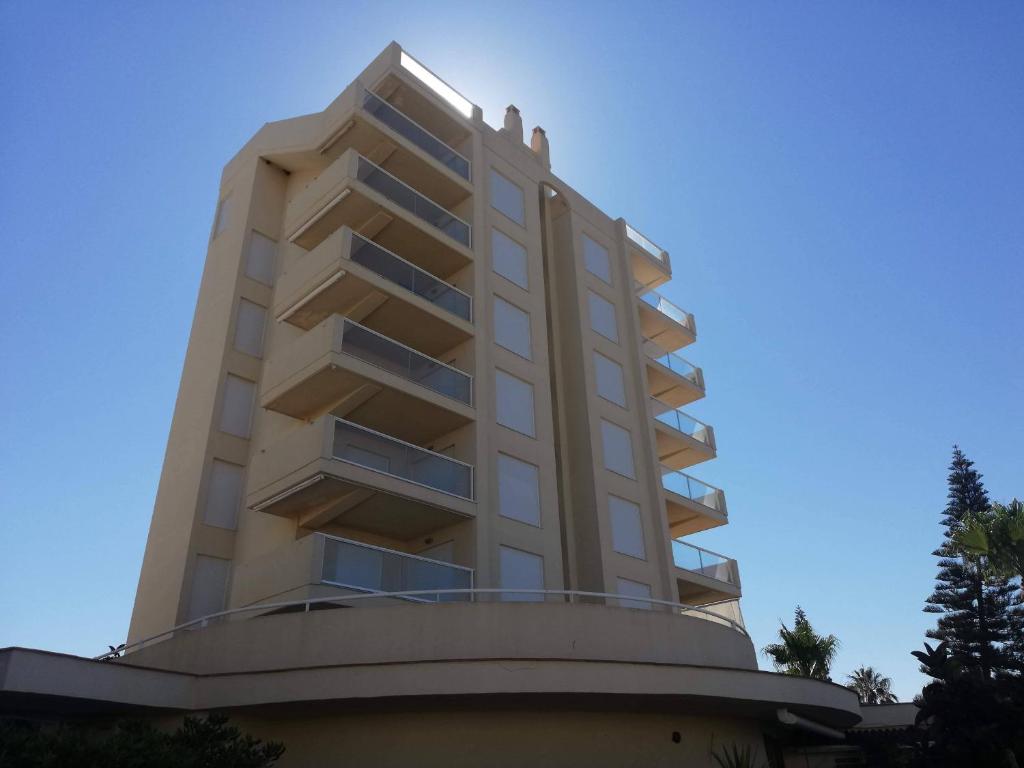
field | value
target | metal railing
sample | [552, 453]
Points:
[691, 488]
[704, 562]
[405, 126]
[681, 421]
[668, 309]
[675, 363]
[644, 243]
[611, 600]
[365, 567]
[388, 455]
[393, 356]
[405, 196]
[397, 270]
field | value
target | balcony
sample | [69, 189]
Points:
[663, 323]
[703, 576]
[651, 266]
[349, 275]
[334, 470]
[319, 565]
[672, 379]
[355, 192]
[682, 440]
[341, 362]
[690, 504]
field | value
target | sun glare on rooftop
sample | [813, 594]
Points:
[439, 86]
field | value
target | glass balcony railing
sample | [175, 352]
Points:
[668, 309]
[414, 132]
[405, 196]
[691, 488]
[680, 421]
[355, 565]
[390, 456]
[676, 364]
[376, 349]
[704, 562]
[644, 243]
[397, 270]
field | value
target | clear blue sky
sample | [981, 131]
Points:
[841, 187]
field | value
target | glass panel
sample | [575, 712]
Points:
[627, 530]
[681, 421]
[355, 444]
[249, 325]
[406, 197]
[351, 564]
[644, 243]
[677, 364]
[236, 409]
[610, 383]
[223, 495]
[602, 316]
[419, 136]
[667, 308]
[511, 328]
[703, 562]
[405, 362]
[690, 488]
[634, 589]
[618, 449]
[259, 259]
[412, 278]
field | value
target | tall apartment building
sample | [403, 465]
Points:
[423, 364]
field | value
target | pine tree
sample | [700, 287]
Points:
[977, 606]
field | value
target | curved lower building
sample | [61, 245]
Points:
[429, 483]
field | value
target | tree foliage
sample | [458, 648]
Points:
[976, 603]
[802, 651]
[208, 742]
[871, 687]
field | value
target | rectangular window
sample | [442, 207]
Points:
[508, 259]
[223, 495]
[249, 326]
[602, 316]
[521, 570]
[610, 383]
[223, 217]
[627, 530]
[507, 197]
[236, 409]
[618, 449]
[511, 328]
[518, 490]
[595, 258]
[515, 403]
[260, 257]
[633, 589]
[209, 586]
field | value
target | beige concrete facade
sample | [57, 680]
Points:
[421, 362]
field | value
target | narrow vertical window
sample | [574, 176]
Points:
[507, 197]
[209, 586]
[518, 490]
[610, 383]
[508, 259]
[260, 257]
[236, 408]
[514, 403]
[602, 316]
[631, 588]
[511, 328]
[627, 529]
[618, 449]
[223, 217]
[596, 260]
[249, 327]
[520, 570]
[223, 495]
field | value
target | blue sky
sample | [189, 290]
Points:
[840, 186]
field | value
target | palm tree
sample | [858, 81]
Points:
[871, 687]
[803, 652]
